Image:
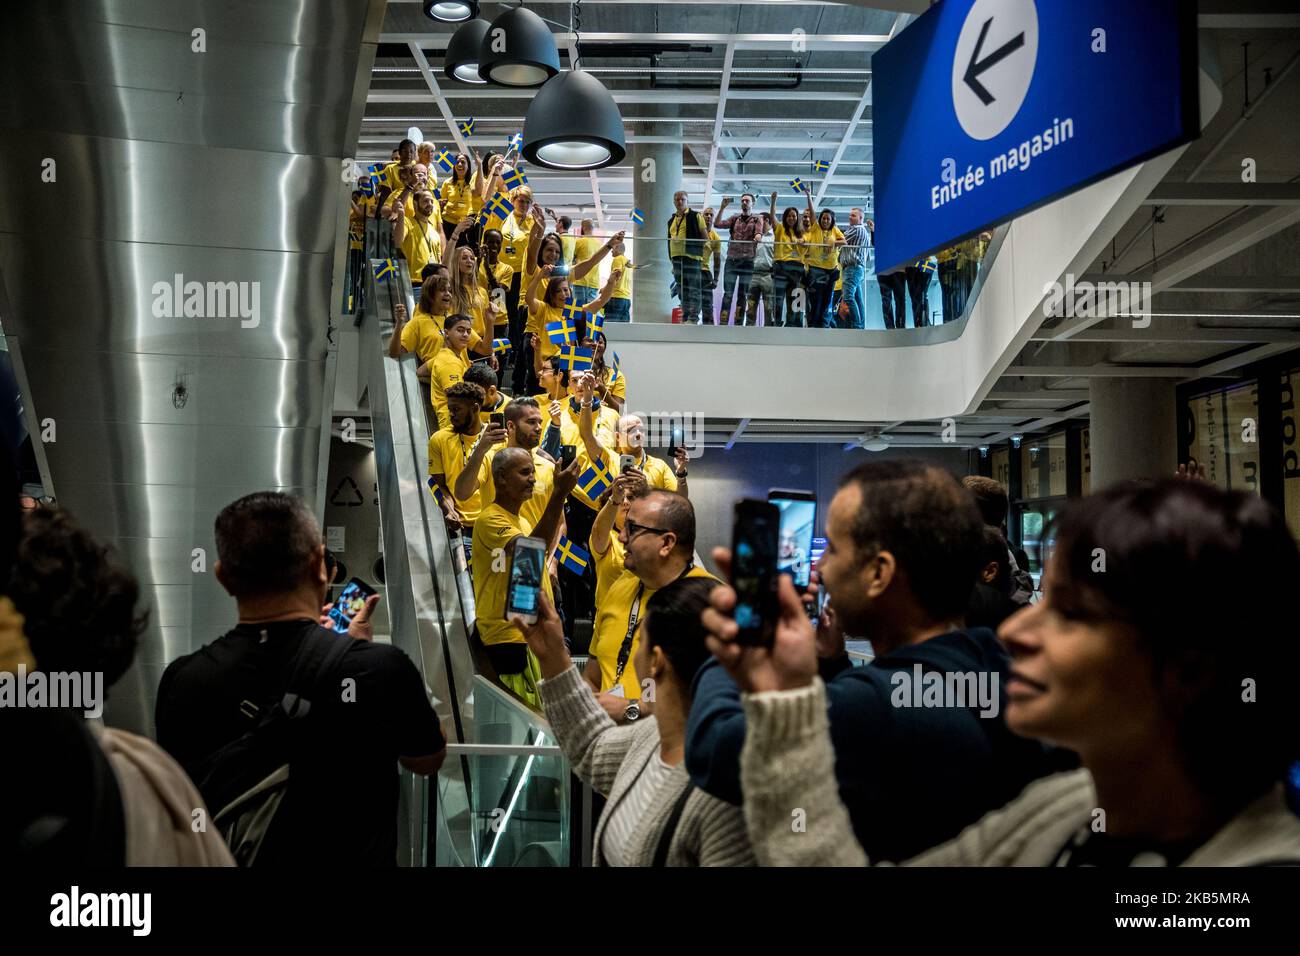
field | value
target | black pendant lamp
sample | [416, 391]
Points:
[518, 50]
[461, 60]
[573, 123]
[451, 11]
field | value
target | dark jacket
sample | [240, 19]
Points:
[989, 607]
[910, 776]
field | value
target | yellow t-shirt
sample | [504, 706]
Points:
[485, 414]
[503, 274]
[448, 453]
[622, 288]
[423, 335]
[567, 246]
[448, 369]
[532, 509]
[421, 245]
[514, 240]
[714, 244]
[677, 241]
[822, 253]
[658, 473]
[495, 529]
[457, 198]
[788, 247]
[538, 319]
[584, 247]
[619, 388]
[617, 590]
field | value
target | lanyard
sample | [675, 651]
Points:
[633, 618]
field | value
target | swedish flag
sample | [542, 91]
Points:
[928, 265]
[376, 168]
[570, 312]
[437, 193]
[820, 166]
[575, 358]
[797, 184]
[572, 556]
[561, 332]
[516, 142]
[366, 186]
[638, 217]
[501, 346]
[435, 491]
[617, 372]
[383, 269]
[595, 480]
[498, 206]
[514, 178]
[596, 325]
[445, 161]
[467, 127]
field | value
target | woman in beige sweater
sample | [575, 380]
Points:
[1155, 655]
[654, 817]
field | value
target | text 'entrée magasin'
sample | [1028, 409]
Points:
[1017, 158]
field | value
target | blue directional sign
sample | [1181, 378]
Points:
[985, 109]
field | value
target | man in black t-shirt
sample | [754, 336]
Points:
[341, 805]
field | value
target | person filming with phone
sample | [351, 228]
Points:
[499, 531]
[632, 454]
[655, 547]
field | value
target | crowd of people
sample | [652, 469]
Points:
[799, 268]
[1136, 711]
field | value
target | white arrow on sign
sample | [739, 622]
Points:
[993, 65]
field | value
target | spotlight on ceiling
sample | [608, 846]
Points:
[451, 11]
[574, 123]
[461, 60]
[518, 50]
[1016, 440]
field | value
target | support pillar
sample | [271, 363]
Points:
[1134, 429]
[656, 175]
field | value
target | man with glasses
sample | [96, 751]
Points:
[654, 548]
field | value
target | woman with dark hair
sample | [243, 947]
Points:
[1155, 655]
[549, 307]
[654, 816]
[787, 264]
[822, 256]
[457, 201]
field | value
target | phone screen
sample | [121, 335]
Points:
[526, 570]
[675, 437]
[498, 419]
[798, 516]
[567, 454]
[754, 545]
[349, 604]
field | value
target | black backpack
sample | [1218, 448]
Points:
[245, 782]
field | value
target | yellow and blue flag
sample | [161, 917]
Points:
[820, 166]
[617, 371]
[561, 332]
[516, 142]
[514, 178]
[575, 358]
[383, 269]
[797, 185]
[501, 346]
[445, 161]
[498, 206]
[596, 325]
[595, 480]
[435, 491]
[467, 127]
[572, 556]
[375, 168]
[366, 186]
[570, 312]
[638, 217]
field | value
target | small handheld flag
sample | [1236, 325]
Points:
[570, 312]
[595, 480]
[797, 185]
[517, 142]
[501, 346]
[366, 186]
[445, 161]
[638, 217]
[617, 372]
[596, 325]
[383, 269]
[575, 358]
[928, 265]
[514, 178]
[437, 193]
[498, 206]
[561, 332]
[375, 168]
[467, 127]
[820, 166]
[572, 556]
[436, 491]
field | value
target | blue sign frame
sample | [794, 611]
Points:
[1101, 85]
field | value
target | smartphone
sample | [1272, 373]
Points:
[755, 537]
[675, 437]
[567, 454]
[625, 462]
[798, 517]
[349, 604]
[497, 419]
[527, 566]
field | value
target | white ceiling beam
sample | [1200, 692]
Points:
[686, 97]
[718, 119]
[1062, 395]
[1104, 371]
[1248, 357]
[1212, 284]
[443, 106]
[844, 42]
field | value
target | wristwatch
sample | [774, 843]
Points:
[633, 711]
[681, 474]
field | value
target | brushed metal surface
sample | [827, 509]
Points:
[221, 166]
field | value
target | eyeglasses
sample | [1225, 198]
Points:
[632, 529]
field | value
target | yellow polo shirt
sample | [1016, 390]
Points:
[677, 240]
[493, 531]
[423, 335]
[658, 473]
[616, 592]
[421, 245]
[584, 247]
[822, 253]
[514, 240]
[788, 247]
[457, 199]
[712, 245]
[532, 509]
[623, 287]
[448, 453]
[448, 368]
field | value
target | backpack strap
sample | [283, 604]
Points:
[670, 828]
[317, 658]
